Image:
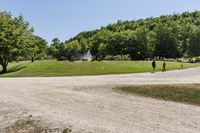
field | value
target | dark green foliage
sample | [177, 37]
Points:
[166, 43]
[37, 48]
[169, 36]
[117, 57]
[194, 43]
[71, 50]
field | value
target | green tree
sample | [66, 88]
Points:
[117, 43]
[102, 50]
[137, 44]
[84, 44]
[53, 49]
[15, 36]
[166, 43]
[100, 37]
[37, 48]
[73, 49]
[194, 43]
[151, 41]
[165, 36]
[55, 42]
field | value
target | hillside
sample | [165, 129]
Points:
[169, 36]
[57, 68]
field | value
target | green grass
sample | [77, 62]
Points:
[189, 94]
[67, 130]
[56, 68]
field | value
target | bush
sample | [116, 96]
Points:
[62, 58]
[109, 57]
[118, 57]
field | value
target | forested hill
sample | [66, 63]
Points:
[168, 36]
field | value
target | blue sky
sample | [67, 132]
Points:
[66, 18]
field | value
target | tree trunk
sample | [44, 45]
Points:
[4, 70]
[32, 59]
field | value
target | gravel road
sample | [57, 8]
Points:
[88, 104]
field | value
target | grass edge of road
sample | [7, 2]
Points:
[181, 93]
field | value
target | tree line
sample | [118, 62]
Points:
[167, 36]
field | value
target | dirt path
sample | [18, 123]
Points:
[88, 104]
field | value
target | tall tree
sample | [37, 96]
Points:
[53, 49]
[15, 36]
[37, 48]
[55, 42]
[194, 43]
[99, 38]
[141, 45]
[73, 49]
[166, 43]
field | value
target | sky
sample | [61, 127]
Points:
[66, 18]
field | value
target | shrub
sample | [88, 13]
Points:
[62, 58]
[109, 57]
[118, 57]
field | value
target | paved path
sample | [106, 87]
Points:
[89, 104]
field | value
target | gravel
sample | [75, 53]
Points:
[89, 104]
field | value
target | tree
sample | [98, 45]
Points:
[37, 48]
[55, 42]
[73, 49]
[165, 36]
[100, 37]
[84, 44]
[194, 43]
[151, 41]
[166, 43]
[186, 32]
[117, 43]
[102, 51]
[53, 49]
[139, 44]
[15, 36]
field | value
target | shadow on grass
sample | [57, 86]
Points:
[15, 68]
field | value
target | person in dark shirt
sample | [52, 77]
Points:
[164, 66]
[154, 65]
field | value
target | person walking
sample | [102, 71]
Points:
[164, 66]
[182, 60]
[154, 65]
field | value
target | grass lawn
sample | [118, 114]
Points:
[59, 68]
[188, 93]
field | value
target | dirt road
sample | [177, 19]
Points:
[88, 104]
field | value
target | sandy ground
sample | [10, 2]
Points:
[88, 104]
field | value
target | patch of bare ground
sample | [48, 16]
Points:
[32, 125]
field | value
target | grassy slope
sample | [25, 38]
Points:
[55, 68]
[178, 93]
